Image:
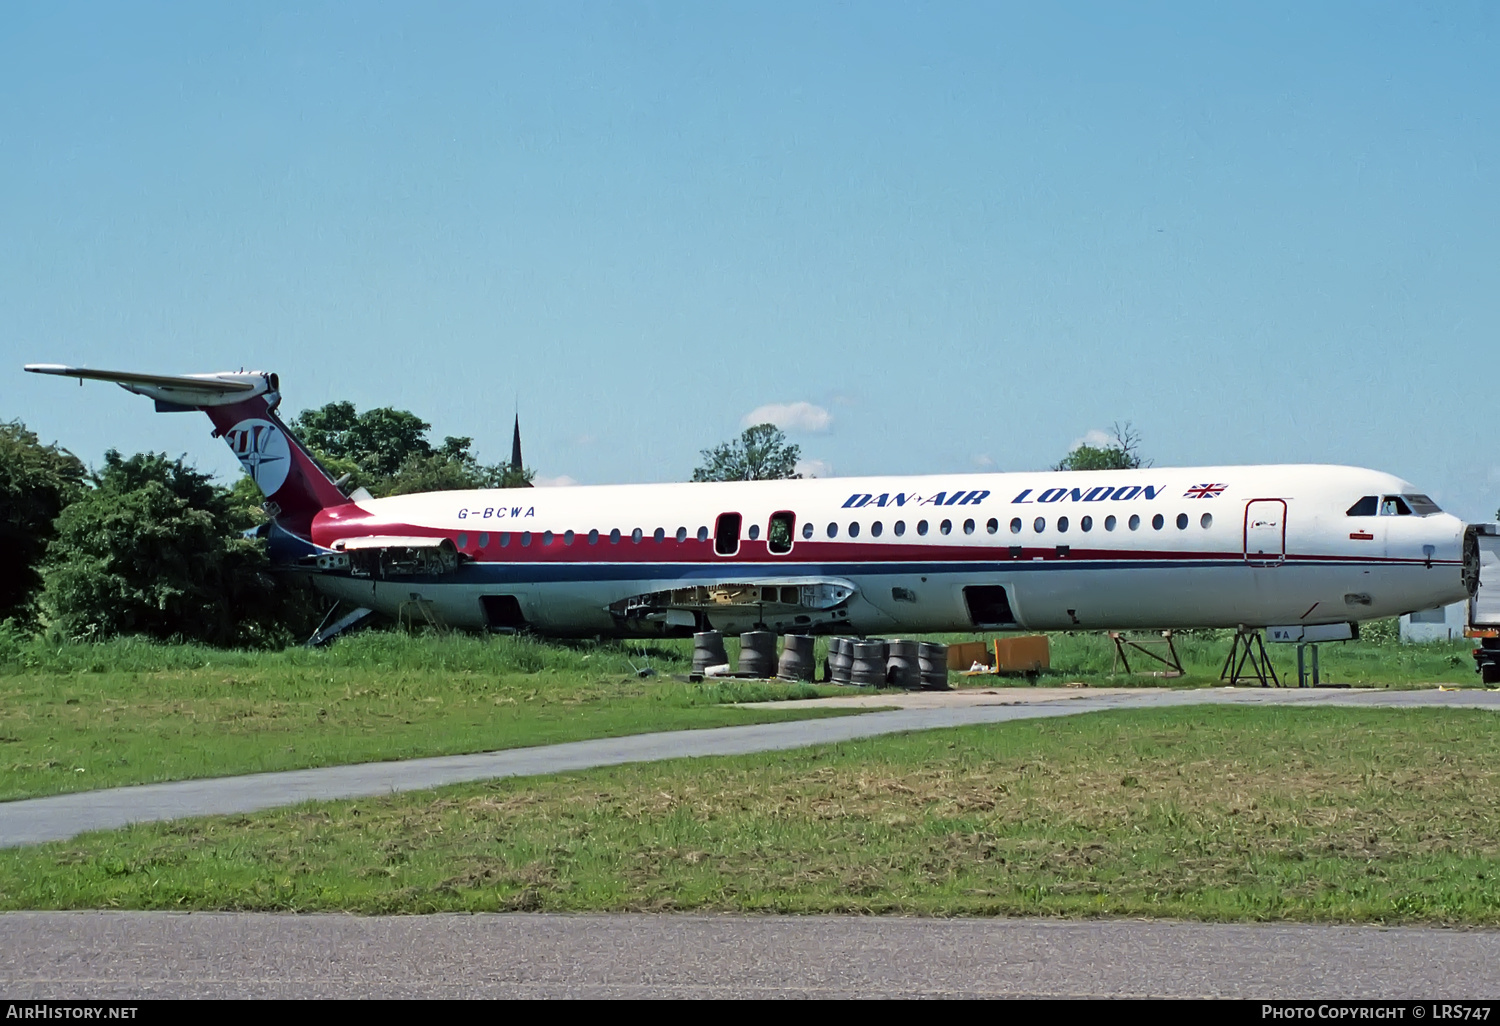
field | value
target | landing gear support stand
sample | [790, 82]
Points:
[1249, 649]
[1302, 665]
[1170, 661]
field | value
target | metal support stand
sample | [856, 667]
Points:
[1249, 647]
[1172, 663]
[1302, 666]
[408, 612]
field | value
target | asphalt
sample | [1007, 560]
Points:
[142, 955]
[36, 820]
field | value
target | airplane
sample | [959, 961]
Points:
[1305, 551]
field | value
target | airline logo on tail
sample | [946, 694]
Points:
[263, 452]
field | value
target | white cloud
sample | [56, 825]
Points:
[814, 468]
[1095, 439]
[983, 461]
[798, 416]
[561, 481]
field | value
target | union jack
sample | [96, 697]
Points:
[1203, 491]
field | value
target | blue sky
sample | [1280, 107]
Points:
[959, 236]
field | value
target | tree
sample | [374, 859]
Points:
[36, 482]
[1122, 454]
[156, 548]
[386, 451]
[762, 453]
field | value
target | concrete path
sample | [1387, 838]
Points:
[94, 955]
[35, 820]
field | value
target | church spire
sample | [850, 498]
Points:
[515, 447]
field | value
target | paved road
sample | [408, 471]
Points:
[220, 955]
[35, 820]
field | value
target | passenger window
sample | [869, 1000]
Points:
[546, 537]
[1039, 524]
[1109, 522]
[1062, 524]
[992, 526]
[727, 534]
[636, 536]
[484, 539]
[754, 532]
[614, 536]
[681, 535]
[946, 527]
[807, 529]
[833, 530]
[505, 539]
[1086, 524]
[922, 527]
[779, 534]
[463, 540]
[900, 528]
[1182, 521]
[968, 527]
[876, 528]
[1015, 525]
[1135, 522]
[854, 529]
[703, 534]
[1157, 522]
[568, 537]
[525, 538]
[594, 536]
[1365, 507]
[1207, 520]
[659, 535]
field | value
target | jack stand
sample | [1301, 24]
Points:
[1172, 663]
[1249, 647]
[1301, 665]
[407, 614]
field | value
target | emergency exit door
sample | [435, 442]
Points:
[1265, 532]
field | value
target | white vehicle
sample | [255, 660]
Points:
[1293, 547]
[1482, 578]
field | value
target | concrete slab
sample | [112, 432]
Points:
[124, 956]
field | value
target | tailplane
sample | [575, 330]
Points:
[243, 408]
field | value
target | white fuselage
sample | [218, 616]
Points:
[1153, 548]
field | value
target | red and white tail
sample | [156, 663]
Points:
[243, 408]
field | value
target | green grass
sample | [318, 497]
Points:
[1237, 814]
[84, 716]
[80, 717]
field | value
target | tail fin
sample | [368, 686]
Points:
[243, 409]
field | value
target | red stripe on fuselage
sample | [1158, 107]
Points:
[350, 521]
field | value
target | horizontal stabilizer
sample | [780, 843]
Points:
[186, 390]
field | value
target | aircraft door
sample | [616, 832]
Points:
[1265, 532]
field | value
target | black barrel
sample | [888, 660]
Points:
[902, 669]
[933, 660]
[797, 659]
[708, 650]
[869, 663]
[840, 659]
[758, 654]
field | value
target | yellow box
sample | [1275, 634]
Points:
[1027, 654]
[966, 653]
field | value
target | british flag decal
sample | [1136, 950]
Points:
[1203, 491]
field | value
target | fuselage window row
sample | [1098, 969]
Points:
[780, 539]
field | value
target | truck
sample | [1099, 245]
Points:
[1482, 578]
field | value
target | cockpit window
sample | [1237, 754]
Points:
[1394, 506]
[1365, 507]
[1421, 505]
